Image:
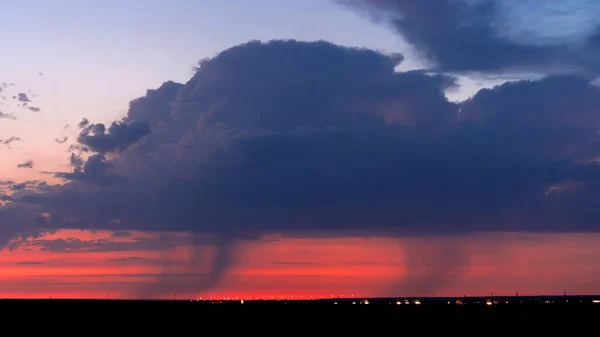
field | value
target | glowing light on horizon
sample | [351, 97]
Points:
[274, 297]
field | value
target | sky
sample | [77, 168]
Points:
[372, 148]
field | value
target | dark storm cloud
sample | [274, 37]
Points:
[79, 148]
[19, 222]
[315, 138]
[95, 170]
[30, 185]
[594, 40]
[312, 94]
[83, 123]
[4, 188]
[118, 137]
[494, 35]
[154, 107]
[76, 162]
[312, 136]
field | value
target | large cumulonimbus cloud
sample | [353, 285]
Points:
[300, 137]
[293, 136]
[495, 35]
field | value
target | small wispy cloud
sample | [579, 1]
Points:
[61, 140]
[9, 140]
[7, 115]
[26, 164]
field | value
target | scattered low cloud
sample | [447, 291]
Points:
[9, 140]
[26, 164]
[30, 263]
[61, 140]
[23, 97]
[7, 115]
[73, 245]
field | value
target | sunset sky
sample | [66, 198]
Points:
[372, 148]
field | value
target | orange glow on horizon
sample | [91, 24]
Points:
[293, 268]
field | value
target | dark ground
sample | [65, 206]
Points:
[569, 315]
[490, 309]
[404, 303]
